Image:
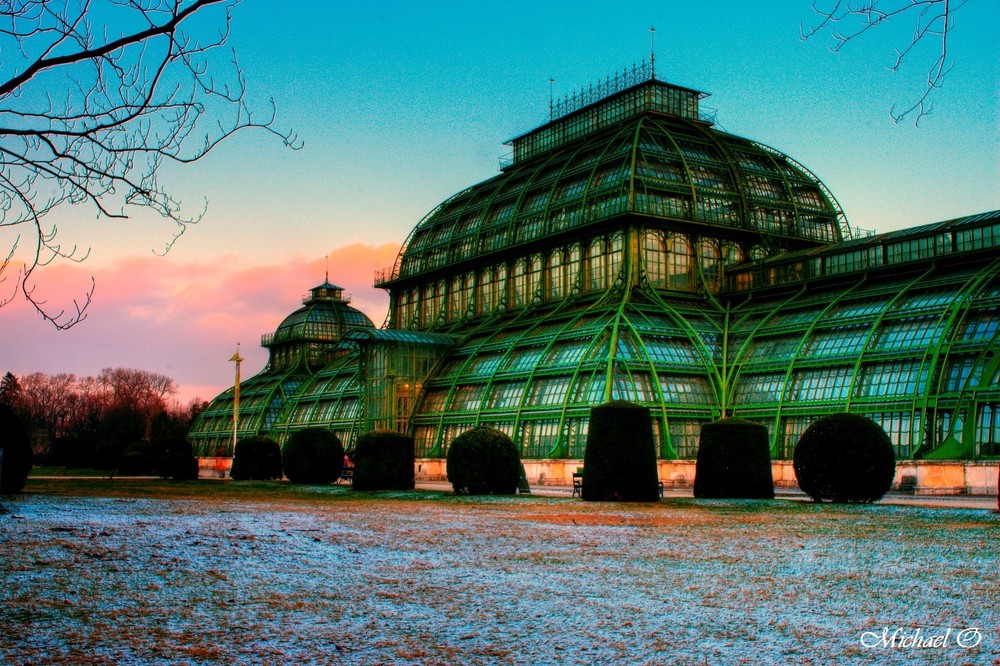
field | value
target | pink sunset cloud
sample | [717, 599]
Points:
[181, 319]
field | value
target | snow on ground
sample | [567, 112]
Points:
[430, 578]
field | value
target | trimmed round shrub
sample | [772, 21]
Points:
[139, 459]
[257, 458]
[619, 463]
[312, 455]
[179, 466]
[844, 458]
[734, 461]
[483, 461]
[383, 460]
[16, 448]
[176, 460]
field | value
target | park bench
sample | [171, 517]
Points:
[578, 485]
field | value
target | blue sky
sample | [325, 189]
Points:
[402, 104]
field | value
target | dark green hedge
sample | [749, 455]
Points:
[176, 458]
[312, 455]
[179, 466]
[734, 461]
[383, 460]
[139, 459]
[17, 454]
[257, 459]
[620, 459]
[844, 458]
[483, 461]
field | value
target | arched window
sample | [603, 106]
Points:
[555, 277]
[519, 284]
[596, 266]
[535, 266]
[491, 291]
[468, 293]
[732, 254]
[484, 292]
[654, 257]
[500, 285]
[412, 308]
[616, 255]
[679, 262]
[399, 309]
[436, 305]
[456, 307]
[711, 263]
[460, 294]
[573, 256]
[427, 306]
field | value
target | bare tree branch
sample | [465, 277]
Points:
[95, 97]
[932, 20]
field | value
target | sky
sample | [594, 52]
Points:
[399, 105]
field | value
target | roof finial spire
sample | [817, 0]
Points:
[327, 280]
[551, 107]
[652, 53]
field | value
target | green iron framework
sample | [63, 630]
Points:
[633, 251]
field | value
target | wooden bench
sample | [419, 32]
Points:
[578, 485]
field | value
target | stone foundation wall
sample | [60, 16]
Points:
[922, 477]
[214, 468]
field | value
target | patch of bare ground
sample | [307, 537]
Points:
[124, 572]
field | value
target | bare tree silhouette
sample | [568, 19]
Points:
[932, 20]
[95, 97]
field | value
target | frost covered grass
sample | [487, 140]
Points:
[127, 572]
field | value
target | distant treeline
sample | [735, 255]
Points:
[89, 421]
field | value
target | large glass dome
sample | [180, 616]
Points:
[676, 171]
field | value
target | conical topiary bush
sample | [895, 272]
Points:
[734, 461]
[620, 459]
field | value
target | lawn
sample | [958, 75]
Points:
[117, 572]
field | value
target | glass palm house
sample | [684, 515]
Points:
[631, 250]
